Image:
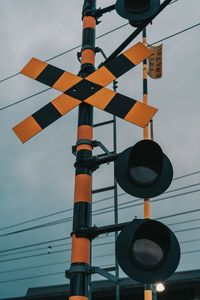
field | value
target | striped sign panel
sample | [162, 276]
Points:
[91, 90]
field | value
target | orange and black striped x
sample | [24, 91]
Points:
[90, 90]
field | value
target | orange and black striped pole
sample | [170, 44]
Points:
[147, 287]
[146, 129]
[80, 253]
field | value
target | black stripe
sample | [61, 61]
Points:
[50, 75]
[81, 215]
[119, 65]
[85, 114]
[82, 155]
[83, 89]
[79, 284]
[120, 105]
[46, 115]
[88, 38]
[144, 86]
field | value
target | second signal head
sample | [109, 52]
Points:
[143, 170]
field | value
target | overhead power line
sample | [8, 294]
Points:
[46, 253]
[177, 33]
[62, 273]
[69, 249]
[98, 201]
[52, 247]
[117, 28]
[70, 50]
[49, 274]
[76, 47]
[99, 211]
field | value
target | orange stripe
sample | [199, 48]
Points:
[84, 147]
[144, 41]
[83, 188]
[147, 295]
[66, 81]
[145, 98]
[78, 298]
[101, 76]
[65, 103]
[85, 132]
[87, 56]
[89, 22]
[144, 71]
[146, 209]
[140, 114]
[34, 68]
[27, 129]
[80, 250]
[101, 99]
[137, 53]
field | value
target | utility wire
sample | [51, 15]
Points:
[100, 200]
[17, 102]
[96, 245]
[66, 250]
[46, 253]
[76, 47]
[60, 245]
[59, 273]
[70, 50]
[36, 244]
[32, 250]
[109, 209]
[33, 267]
[177, 33]
[100, 211]
[179, 214]
[48, 274]
[52, 247]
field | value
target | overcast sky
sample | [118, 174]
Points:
[37, 178]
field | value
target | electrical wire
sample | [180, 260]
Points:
[60, 245]
[52, 247]
[17, 102]
[70, 50]
[32, 250]
[36, 244]
[46, 253]
[59, 273]
[32, 267]
[99, 211]
[76, 47]
[66, 250]
[175, 34]
[98, 201]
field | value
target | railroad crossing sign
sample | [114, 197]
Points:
[90, 90]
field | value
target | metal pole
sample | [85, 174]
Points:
[80, 253]
[147, 288]
[115, 199]
[146, 129]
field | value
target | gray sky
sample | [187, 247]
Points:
[37, 178]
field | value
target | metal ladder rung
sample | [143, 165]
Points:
[103, 189]
[103, 123]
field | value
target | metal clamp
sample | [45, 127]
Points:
[86, 232]
[81, 142]
[91, 270]
[77, 269]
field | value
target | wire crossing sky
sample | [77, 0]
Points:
[37, 179]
